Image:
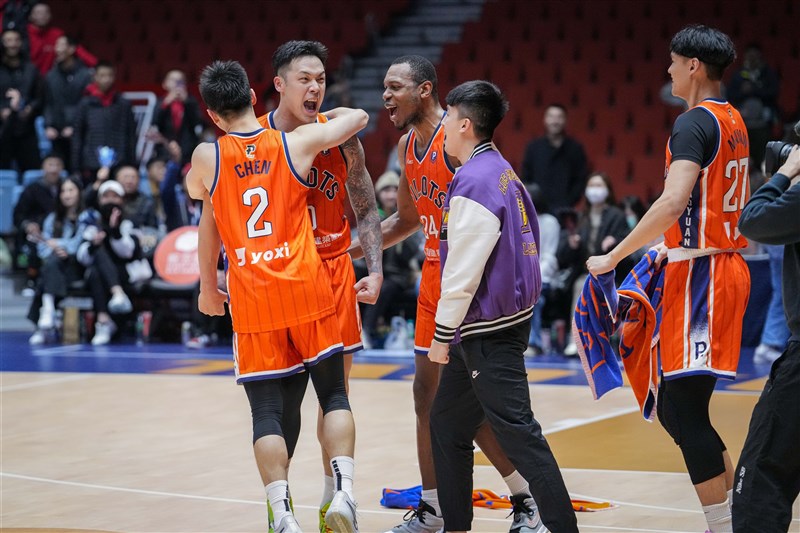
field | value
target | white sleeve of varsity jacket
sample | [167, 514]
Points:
[472, 233]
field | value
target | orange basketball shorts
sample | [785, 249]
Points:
[343, 277]
[287, 351]
[703, 308]
[430, 290]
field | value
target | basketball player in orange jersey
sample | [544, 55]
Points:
[280, 298]
[336, 174]
[707, 284]
[412, 100]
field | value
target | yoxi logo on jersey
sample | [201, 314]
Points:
[253, 258]
[430, 189]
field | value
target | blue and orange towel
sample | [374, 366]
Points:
[409, 499]
[636, 306]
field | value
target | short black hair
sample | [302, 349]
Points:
[225, 88]
[71, 41]
[711, 46]
[422, 70]
[482, 102]
[291, 50]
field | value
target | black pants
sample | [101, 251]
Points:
[23, 149]
[56, 276]
[767, 479]
[486, 380]
[104, 273]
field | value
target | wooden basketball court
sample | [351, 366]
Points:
[167, 452]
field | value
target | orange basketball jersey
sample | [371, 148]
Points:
[711, 219]
[326, 198]
[428, 174]
[275, 276]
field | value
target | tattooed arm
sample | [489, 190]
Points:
[362, 198]
[399, 225]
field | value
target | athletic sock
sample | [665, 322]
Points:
[278, 496]
[517, 484]
[431, 497]
[327, 491]
[718, 517]
[343, 468]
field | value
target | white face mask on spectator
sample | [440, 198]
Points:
[596, 194]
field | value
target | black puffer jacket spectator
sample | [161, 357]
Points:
[104, 118]
[64, 88]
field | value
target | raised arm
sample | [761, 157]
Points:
[398, 226]
[362, 198]
[306, 141]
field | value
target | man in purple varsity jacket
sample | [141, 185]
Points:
[490, 282]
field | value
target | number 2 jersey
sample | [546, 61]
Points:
[275, 275]
[326, 197]
[713, 135]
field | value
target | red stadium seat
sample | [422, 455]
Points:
[618, 168]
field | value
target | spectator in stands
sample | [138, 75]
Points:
[109, 250]
[57, 247]
[64, 86]
[156, 169]
[21, 92]
[36, 202]
[178, 117]
[139, 208]
[556, 162]
[753, 90]
[179, 208]
[104, 118]
[549, 233]
[600, 227]
[43, 38]
[401, 267]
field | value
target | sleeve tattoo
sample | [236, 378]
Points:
[362, 198]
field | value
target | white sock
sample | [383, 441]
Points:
[48, 302]
[431, 497]
[517, 484]
[343, 468]
[327, 491]
[718, 517]
[278, 496]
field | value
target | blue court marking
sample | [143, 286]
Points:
[16, 355]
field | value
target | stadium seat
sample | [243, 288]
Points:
[616, 167]
[31, 176]
[7, 202]
[9, 177]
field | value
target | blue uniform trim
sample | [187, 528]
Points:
[216, 169]
[297, 176]
[245, 135]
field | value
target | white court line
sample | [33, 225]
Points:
[44, 382]
[571, 423]
[314, 507]
[261, 503]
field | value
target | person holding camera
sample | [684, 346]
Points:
[767, 478]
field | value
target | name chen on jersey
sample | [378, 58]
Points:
[265, 256]
[250, 168]
[430, 189]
